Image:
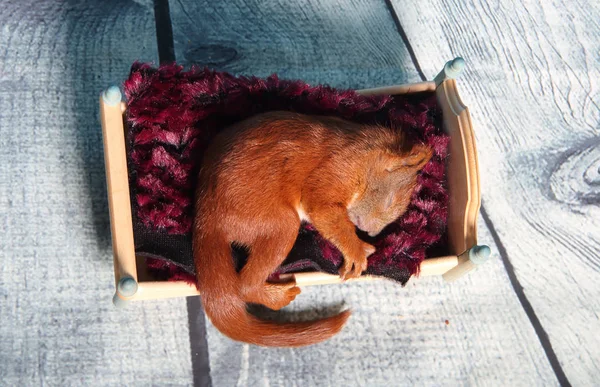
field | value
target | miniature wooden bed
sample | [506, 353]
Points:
[134, 282]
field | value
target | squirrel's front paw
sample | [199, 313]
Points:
[354, 265]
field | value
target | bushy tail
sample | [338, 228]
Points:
[234, 321]
[227, 311]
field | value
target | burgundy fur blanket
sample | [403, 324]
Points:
[171, 117]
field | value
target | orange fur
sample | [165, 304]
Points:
[260, 178]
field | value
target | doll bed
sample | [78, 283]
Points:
[134, 280]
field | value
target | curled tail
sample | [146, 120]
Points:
[232, 319]
[219, 288]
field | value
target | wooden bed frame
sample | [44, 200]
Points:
[134, 283]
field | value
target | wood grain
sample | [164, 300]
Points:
[531, 82]
[353, 43]
[396, 335]
[58, 325]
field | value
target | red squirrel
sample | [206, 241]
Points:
[262, 177]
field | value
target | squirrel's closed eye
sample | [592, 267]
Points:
[389, 200]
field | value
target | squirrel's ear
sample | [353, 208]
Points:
[415, 159]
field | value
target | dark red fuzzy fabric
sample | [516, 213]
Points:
[173, 114]
[168, 271]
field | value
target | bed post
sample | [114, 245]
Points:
[126, 288]
[451, 70]
[468, 261]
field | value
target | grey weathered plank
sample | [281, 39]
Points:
[532, 85]
[396, 336]
[353, 44]
[58, 326]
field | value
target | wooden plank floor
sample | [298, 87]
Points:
[354, 45]
[532, 87]
[531, 84]
[359, 45]
[58, 326]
